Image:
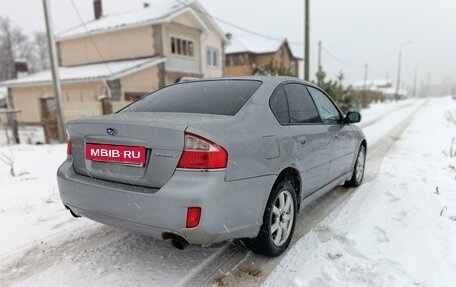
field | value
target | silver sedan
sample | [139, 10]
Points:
[206, 161]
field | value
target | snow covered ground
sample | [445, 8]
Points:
[27, 134]
[396, 230]
[389, 231]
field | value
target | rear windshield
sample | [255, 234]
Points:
[217, 97]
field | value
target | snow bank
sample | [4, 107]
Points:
[30, 205]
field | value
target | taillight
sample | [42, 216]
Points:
[193, 217]
[200, 153]
[69, 147]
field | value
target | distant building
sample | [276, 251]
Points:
[127, 55]
[246, 53]
[380, 85]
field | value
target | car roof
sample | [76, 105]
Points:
[274, 80]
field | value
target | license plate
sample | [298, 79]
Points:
[135, 155]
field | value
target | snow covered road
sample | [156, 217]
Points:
[42, 246]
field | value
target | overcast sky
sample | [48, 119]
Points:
[355, 32]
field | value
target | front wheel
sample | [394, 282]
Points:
[278, 222]
[358, 171]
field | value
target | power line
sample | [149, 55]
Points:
[340, 60]
[90, 37]
[329, 53]
[347, 64]
[237, 26]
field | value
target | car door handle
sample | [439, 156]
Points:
[302, 141]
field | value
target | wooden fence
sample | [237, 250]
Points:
[77, 110]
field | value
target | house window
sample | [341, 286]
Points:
[239, 59]
[190, 48]
[212, 57]
[182, 47]
[173, 45]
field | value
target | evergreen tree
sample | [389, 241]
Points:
[273, 69]
[344, 97]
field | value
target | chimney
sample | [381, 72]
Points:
[97, 9]
[21, 68]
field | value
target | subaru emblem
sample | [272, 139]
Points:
[111, 131]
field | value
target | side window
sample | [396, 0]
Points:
[328, 112]
[212, 57]
[279, 105]
[302, 109]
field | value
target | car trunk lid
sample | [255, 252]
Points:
[138, 148]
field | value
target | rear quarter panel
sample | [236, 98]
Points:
[257, 144]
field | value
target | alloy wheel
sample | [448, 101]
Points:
[282, 218]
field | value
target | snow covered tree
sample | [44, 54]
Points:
[39, 59]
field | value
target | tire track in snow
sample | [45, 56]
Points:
[43, 256]
[379, 117]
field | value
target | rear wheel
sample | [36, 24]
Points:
[278, 222]
[358, 171]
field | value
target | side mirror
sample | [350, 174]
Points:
[352, 117]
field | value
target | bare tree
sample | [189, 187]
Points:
[40, 55]
[6, 50]
[9, 160]
[14, 44]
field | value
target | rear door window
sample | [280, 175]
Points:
[302, 108]
[217, 97]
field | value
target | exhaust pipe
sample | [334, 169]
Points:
[177, 241]
[72, 213]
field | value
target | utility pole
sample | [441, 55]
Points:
[414, 81]
[364, 94]
[428, 85]
[319, 74]
[54, 69]
[306, 41]
[398, 83]
[319, 55]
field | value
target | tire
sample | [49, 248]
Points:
[278, 222]
[358, 171]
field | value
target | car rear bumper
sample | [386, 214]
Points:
[229, 210]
